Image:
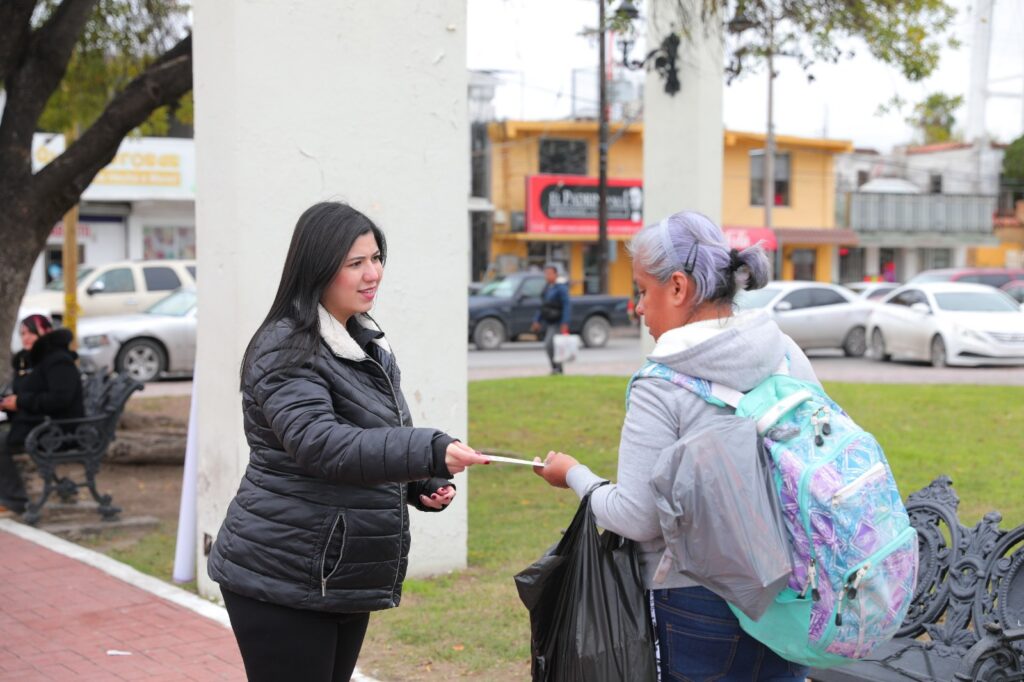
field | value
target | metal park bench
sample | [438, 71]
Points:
[83, 441]
[966, 621]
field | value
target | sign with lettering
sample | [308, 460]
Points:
[567, 204]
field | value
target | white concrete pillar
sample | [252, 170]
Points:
[363, 102]
[911, 263]
[872, 261]
[683, 133]
[959, 256]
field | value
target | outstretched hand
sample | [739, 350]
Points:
[556, 468]
[459, 456]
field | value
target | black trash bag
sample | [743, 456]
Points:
[589, 616]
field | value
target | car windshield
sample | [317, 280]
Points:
[976, 302]
[177, 304]
[759, 298]
[502, 288]
[58, 284]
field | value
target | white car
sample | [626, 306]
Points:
[117, 288]
[814, 314]
[158, 342]
[948, 323]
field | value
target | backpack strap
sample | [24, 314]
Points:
[716, 394]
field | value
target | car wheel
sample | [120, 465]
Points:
[489, 334]
[938, 352]
[141, 359]
[596, 331]
[878, 345]
[856, 343]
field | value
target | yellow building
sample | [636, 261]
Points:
[540, 217]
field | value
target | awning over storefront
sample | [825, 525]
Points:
[812, 235]
[740, 238]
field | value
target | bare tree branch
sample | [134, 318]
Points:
[59, 185]
[30, 85]
[15, 29]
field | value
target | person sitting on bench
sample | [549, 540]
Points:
[47, 383]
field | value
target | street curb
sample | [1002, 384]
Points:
[126, 573]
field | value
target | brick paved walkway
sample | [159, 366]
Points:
[61, 618]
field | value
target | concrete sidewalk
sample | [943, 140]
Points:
[63, 619]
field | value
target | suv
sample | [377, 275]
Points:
[994, 277]
[117, 288]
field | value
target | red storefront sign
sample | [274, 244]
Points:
[567, 204]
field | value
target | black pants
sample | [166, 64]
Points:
[12, 487]
[282, 643]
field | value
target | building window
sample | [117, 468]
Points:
[932, 259]
[563, 157]
[168, 242]
[935, 183]
[781, 173]
[851, 264]
[862, 178]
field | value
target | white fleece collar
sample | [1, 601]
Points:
[683, 338]
[340, 341]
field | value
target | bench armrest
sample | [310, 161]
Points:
[82, 436]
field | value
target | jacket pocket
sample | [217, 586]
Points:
[333, 551]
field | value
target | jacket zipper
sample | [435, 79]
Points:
[401, 497]
[323, 557]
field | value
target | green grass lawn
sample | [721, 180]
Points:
[472, 621]
[971, 433]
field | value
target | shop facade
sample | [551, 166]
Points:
[140, 206]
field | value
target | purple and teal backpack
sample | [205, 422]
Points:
[853, 549]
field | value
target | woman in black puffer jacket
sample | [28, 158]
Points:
[46, 383]
[318, 534]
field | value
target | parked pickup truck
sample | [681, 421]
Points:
[505, 309]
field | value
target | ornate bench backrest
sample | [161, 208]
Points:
[969, 579]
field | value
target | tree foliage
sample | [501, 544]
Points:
[105, 65]
[935, 116]
[907, 34]
[119, 41]
[1013, 160]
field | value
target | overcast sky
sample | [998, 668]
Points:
[537, 44]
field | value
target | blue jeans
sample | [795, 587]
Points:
[700, 640]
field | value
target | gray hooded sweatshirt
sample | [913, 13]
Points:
[739, 352]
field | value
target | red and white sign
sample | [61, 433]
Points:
[567, 204]
[740, 238]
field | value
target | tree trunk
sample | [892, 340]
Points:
[23, 241]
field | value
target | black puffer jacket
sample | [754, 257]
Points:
[320, 520]
[47, 383]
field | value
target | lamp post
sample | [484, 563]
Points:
[602, 155]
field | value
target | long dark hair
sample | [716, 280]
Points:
[323, 236]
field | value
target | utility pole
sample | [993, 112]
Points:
[769, 141]
[69, 259]
[602, 155]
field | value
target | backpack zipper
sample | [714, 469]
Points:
[874, 471]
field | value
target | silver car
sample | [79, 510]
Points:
[146, 346]
[814, 314]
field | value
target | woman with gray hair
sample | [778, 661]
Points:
[687, 278]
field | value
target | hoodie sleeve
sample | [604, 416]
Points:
[627, 507]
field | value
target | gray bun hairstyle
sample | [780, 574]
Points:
[691, 243]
